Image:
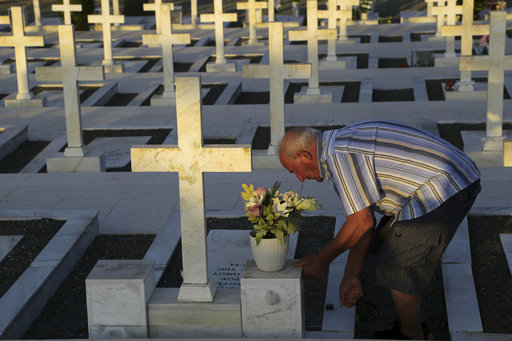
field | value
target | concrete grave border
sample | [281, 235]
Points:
[11, 137]
[27, 297]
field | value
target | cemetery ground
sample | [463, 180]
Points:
[136, 214]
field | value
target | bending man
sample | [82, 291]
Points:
[422, 185]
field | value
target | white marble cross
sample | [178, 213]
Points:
[156, 7]
[430, 5]
[37, 13]
[495, 63]
[67, 8]
[447, 14]
[312, 35]
[466, 31]
[191, 159]
[219, 18]
[333, 15]
[345, 6]
[251, 6]
[276, 71]
[166, 39]
[70, 74]
[20, 42]
[106, 20]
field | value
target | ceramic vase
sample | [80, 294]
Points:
[269, 254]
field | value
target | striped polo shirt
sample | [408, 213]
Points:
[400, 170]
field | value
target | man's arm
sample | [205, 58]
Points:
[355, 227]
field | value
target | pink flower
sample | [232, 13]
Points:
[255, 210]
[483, 41]
[260, 191]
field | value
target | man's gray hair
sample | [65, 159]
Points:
[297, 139]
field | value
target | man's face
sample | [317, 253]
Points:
[305, 166]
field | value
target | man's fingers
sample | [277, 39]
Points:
[299, 262]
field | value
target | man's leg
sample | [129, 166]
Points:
[409, 313]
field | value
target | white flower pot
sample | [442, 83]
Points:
[269, 254]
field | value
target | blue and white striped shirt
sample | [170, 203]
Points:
[401, 170]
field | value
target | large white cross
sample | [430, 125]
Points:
[166, 39]
[70, 74]
[447, 14]
[67, 8]
[312, 35]
[156, 7]
[219, 18]
[495, 63]
[191, 159]
[430, 5]
[333, 14]
[276, 71]
[466, 31]
[106, 19]
[251, 6]
[20, 42]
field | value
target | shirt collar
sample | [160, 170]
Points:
[319, 154]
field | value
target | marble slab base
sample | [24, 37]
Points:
[332, 65]
[159, 101]
[7, 68]
[198, 292]
[473, 147]
[169, 318]
[272, 302]
[61, 164]
[225, 67]
[115, 68]
[304, 97]
[21, 103]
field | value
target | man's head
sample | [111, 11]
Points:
[298, 153]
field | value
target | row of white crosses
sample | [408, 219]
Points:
[66, 7]
[20, 42]
[69, 74]
[496, 62]
[466, 31]
[191, 159]
[333, 14]
[252, 6]
[447, 14]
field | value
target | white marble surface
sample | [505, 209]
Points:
[118, 292]
[282, 318]
[116, 150]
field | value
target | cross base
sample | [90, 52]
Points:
[161, 101]
[312, 95]
[20, 103]
[197, 292]
[75, 164]
[334, 64]
[75, 151]
[113, 68]
[7, 69]
[222, 67]
[492, 143]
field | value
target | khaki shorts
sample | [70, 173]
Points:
[409, 251]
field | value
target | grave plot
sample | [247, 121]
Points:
[390, 39]
[392, 63]
[315, 233]
[451, 132]
[363, 38]
[362, 58]
[243, 41]
[16, 151]
[393, 95]
[491, 271]
[65, 314]
[437, 88]
[342, 91]
[261, 139]
[32, 63]
[46, 249]
[421, 36]
[209, 93]
[54, 93]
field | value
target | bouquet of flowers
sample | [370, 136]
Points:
[275, 214]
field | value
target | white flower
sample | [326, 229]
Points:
[281, 207]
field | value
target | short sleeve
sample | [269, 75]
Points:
[353, 177]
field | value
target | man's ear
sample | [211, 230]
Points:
[304, 155]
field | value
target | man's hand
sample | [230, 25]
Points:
[314, 266]
[350, 291]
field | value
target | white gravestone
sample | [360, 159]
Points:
[156, 7]
[312, 35]
[166, 39]
[70, 74]
[276, 71]
[251, 6]
[448, 14]
[333, 14]
[346, 7]
[219, 18]
[191, 159]
[495, 63]
[106, 20]
[466, 31]
[117, 294]
[37, 13]
[20, 42]
[67, 8]
[272, 302]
